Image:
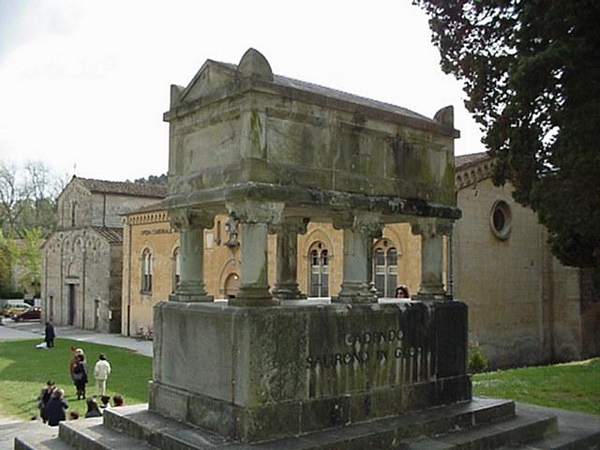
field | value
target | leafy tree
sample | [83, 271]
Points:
[30, 259]
[153, 179]
[7, 257]
[531, 71]
[28, 198]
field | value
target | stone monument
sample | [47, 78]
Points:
[274, 153]
[270, 369]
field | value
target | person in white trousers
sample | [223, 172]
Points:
[101, 372]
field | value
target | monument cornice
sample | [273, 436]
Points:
[299, 197]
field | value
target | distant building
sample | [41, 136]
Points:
[82, 261]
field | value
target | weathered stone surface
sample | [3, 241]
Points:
[262, 373]
[239, 132]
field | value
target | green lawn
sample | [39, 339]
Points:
[24, 370]
[574, 386]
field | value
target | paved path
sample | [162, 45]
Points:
[28, 330]
[10, 426]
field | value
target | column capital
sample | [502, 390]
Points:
[250, 211]
[363, 222]
[429, 227]
[183, 218]
[296, 225]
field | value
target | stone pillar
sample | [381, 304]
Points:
[255, 218]
[191, 224]
[431, 232]
[286, 282]
[359, 231]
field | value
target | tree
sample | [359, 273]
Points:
[153, 179]
[8, 257]
[531, 72]
[28, 198]
[30, 260]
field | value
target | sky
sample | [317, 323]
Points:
[84, 84]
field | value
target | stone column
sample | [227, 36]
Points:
[431, 232]
[286, 281]
[191, 224]
[359, 231]
[255, 218]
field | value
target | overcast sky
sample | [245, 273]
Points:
[84, 83]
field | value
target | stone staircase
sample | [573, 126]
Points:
[482, 423]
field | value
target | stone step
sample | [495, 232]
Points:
[88, 434]
[519, 429]
[477, 425]
[138, 422]
[576, 431]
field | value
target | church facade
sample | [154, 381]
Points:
[82, 264]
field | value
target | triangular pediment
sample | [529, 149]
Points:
[211, 76]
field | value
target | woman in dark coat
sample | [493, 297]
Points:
[55, 409]
[80, 377]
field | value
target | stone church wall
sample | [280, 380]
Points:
[74, 285]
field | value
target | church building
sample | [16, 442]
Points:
[82, 260]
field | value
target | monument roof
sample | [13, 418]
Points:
[334, 93]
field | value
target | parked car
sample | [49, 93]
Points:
[14, 308]
[33, 313]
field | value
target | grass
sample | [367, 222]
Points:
[573, 386]
[24, 370]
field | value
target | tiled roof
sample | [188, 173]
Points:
[473, 168]
[124, 188]
[112, 235]
[462, 161]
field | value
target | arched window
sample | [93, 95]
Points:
[318, 259]
[147, 271]
[385, 268]
[176, 270]
[232, 285]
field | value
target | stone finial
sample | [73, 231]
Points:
[445, 116]
[253, 63]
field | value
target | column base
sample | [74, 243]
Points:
[191, 297]
[253, 296]
[291, 292]
[432, 292]
[355, 293]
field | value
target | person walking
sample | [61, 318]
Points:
[55, 409]
[102, 370]
[80, 377]
[49, 334]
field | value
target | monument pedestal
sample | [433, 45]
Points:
[256, 374]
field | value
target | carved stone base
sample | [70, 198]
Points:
[254, 374]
